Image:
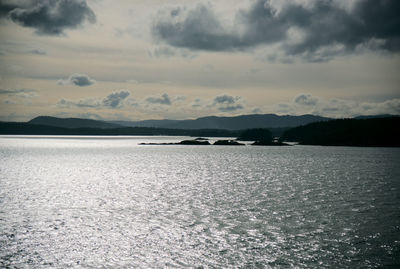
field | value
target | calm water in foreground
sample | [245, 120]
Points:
[107, 202]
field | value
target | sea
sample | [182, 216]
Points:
[109, 202]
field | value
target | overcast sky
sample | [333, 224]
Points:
[161, 59]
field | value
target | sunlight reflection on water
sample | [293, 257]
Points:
[106, 201]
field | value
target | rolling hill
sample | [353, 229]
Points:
[229, 123]
[72, 123]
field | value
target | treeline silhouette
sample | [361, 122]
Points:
[375, 132]
[258, 134]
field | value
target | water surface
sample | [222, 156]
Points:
[106, 202]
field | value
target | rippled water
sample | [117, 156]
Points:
[107, 202]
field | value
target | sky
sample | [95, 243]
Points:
[184, 59]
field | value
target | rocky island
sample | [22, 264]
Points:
[261, 137]
[227, 143]
[183, 142]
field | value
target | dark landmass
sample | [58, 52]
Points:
[261, 137]
[193, 142]
[278, 132]
[256, 135]
[200, 142]
[146, 123]
[157, 144]
[228, 143]
[373, 116]
[17, 128]
[372, 132]
[276, 124]
[220, 143]
[229, 123]
[184, 142]
[363, 131]
[73, 123]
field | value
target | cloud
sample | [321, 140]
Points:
[24, 93]
[197, 103]
[224, 99]
[197, 29]
[168, 51]
[163, 51]
[85, 103]
[220, 103]
[257, 111]
[163, 100]
[80, 80]
[306, 100]
[17, 91]
[335, 107]
[227, 103]
[18, 96]
[230, 108]
[113, 100]
[313, 30]
[348, 108]
[48, 17]
[7, 6]
[37, 52]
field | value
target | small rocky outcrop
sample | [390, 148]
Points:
[227, 143]
[201, 139]
[184, 142]
[157, 144]
[193, 142]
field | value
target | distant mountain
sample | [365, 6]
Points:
[277, 124]
[72, 123]
[229, 123]
[23, 128]
[146, 123]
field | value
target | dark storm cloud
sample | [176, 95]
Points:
[200, 29]
[115, 99]
[163, 100]
[6, 7]
[48, 17]
[323, 29]
[80, 80]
